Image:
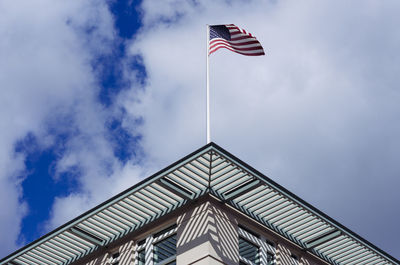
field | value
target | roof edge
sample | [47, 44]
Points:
[54, 231]
[308, 205]
[206, 148]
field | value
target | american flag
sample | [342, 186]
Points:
[235, 39]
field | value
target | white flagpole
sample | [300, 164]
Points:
[208, 87]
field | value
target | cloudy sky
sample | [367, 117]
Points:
[98, 94]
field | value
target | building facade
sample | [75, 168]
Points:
[207, 208]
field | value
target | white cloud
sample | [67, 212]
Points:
[96, 190]
[320, 108]
[45, 74]
[318, 113]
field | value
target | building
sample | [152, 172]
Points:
[207, 208]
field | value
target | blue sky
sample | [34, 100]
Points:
[96, 95]
[39, 162]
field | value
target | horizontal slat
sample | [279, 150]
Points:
[233, 182]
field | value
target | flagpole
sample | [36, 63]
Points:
[208, 87]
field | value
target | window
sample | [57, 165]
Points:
[270, 258]
[159, 247]
[115, 258]
[295, 259]
[141, 257]
[254, 249]
[164, 249]
[249, 251]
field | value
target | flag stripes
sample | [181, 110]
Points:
[234, 39]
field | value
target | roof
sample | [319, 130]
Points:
[209, 170]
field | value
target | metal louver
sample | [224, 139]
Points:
[209, 170]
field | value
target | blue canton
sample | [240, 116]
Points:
[219, 31]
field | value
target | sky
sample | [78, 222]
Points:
[96, 95]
